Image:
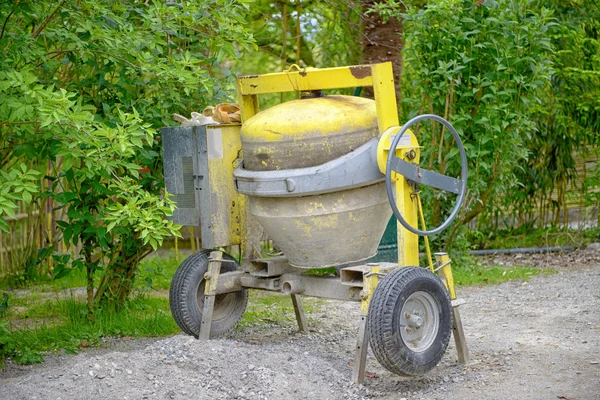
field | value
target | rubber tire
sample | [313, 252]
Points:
[187, 303]
[384, 334]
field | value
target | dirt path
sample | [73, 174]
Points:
[539, 340]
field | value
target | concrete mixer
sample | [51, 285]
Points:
[320, 176]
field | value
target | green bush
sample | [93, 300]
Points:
[84, 86]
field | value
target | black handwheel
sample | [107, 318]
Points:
[430, 178]
[186, 297]
[409, 321]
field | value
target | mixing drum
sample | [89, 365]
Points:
[332, 227]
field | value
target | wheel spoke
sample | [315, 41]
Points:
[425, 176]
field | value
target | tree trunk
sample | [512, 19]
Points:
[115, 286]
[117, 282]
[89, 268]
[382, 42]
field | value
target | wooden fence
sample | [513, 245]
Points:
[22, 241]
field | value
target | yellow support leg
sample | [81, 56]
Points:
[408, 242]
[445, 271]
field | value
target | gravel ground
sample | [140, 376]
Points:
[535, 340]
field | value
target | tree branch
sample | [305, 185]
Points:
[6, 22]
[18, 123]
[47, 20]
[480, 205]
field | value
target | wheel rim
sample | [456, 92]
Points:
[419, 321]
[224, 303]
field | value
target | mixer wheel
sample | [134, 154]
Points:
[410, 321]
[186, 297]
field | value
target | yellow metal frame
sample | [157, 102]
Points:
[226, 227]
[381, 78]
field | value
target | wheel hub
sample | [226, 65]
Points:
[224, 303]
[419, 321]
[413, 320]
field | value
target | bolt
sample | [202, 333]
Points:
[411, 154]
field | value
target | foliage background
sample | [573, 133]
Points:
[85, 86]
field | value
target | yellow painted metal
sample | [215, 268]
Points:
[370, 282]
[306, 80]
[316, 116]
[380, 76]
[227, 204]
[307, 132]
[248, 106]
[423, 227]
[383, 147]
[385, 96]
[408, 242]
[446, 273]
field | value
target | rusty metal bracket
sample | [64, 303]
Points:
[210, 290]
[299, 311]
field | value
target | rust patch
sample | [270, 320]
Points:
[253, 86]
[360, 71]
[262, 156]
[249, 76]
[302, 73]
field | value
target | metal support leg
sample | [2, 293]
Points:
[210, 288]
[360, 358]
[370, 281]
[459, 337]
[299, 310]
[457, 329]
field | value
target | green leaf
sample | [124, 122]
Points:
[27, 197]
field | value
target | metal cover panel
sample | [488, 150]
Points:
[180, 167]
[388, 247]
[198, 168]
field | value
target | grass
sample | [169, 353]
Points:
[43, 317]
[268, 308]
[156, 272]
[46, 317]
[62, 325]
[478, 274]
[506, 239]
